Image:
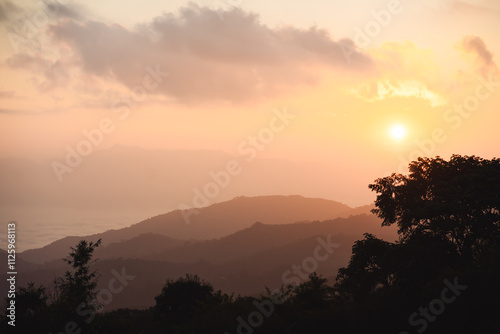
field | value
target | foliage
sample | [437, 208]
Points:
[448, 217]
[78, 286]
[457, 199]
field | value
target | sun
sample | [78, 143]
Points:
[398, 132]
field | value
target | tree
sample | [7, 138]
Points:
[78, 286]
[402, 267]
[181, 299]
[369, 268]
[31, 307]
[31, 300]
[448, 217]
[311, 294]
[447, 211]
[458, 200]
[75, 291]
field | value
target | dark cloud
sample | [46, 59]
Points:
[7, 8]
[51, 9]
[476, 45]
[70, 10]
[236, 58]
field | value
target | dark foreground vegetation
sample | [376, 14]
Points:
[441, 276]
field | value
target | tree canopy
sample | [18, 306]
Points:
[458, 200]
[79, 285]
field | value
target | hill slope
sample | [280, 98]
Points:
[214, 221]
[244, 262]
[260, 237]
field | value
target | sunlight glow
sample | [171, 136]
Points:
[398, 132]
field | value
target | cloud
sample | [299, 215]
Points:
[475, 44]
[56, 73]
[27, 61]
[42, 13]
[7, 94]
[410, 89]
[16, 112]
[467, 7]
[70, 10]
[28, 112]
[476, 50]
[6, 9]
[235, 59]
[403, 70]
[485, 5]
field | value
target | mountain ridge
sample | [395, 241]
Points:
[228, 262]
[214, 221]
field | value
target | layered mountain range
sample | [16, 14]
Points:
[241, 246]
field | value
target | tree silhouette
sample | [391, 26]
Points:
[31, 300]
[311, 294]
[458, 200]
[37, 311]
[180, 300]
[448, 217]
[31, 308]
[78, 286]
[369, 268]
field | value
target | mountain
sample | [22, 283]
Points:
[137, 247]
[261, 236]
[243, 262]
[21, 265]
[214, 221]
[116, 187]
[228, 217]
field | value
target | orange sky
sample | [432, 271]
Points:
[348, 72]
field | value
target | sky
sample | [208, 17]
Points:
[364, 85]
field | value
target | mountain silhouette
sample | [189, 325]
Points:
[107, 191]
[214, 221]
[243, 262]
